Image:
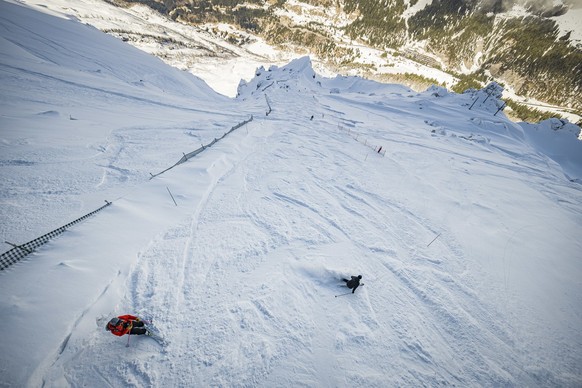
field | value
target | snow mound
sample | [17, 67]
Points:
[559, 140]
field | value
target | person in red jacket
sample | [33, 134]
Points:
[126, 324]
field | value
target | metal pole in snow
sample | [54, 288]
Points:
[171, 196]
[474, 102]
[433, 240]
[500, 108]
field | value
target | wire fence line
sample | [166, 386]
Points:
[190, 155]
[17, 253]
[380, 150]
[20, 251]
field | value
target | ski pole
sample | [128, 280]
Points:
[129, 328]
[347, 293]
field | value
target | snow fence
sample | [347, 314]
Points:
[20, 251]
[360, 139]
[189, 155]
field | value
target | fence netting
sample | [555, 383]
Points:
[199, 150]
[20, 251]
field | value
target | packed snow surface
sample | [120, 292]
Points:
[466, 230]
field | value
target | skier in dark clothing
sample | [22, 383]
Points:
[353, 283]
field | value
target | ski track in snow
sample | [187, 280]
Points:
[202, 282]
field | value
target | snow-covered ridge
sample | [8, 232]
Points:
[208, 51]
[303, 14]
[454, 229]
[418, 6]
[570, 23]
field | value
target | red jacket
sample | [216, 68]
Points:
[124, 326]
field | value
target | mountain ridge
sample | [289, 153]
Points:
[475, 41]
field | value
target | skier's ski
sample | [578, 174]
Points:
[156, 337]
[347, 293]
[152, 331]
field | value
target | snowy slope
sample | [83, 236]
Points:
[95, 99]
[220, 63]
[240, 276]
